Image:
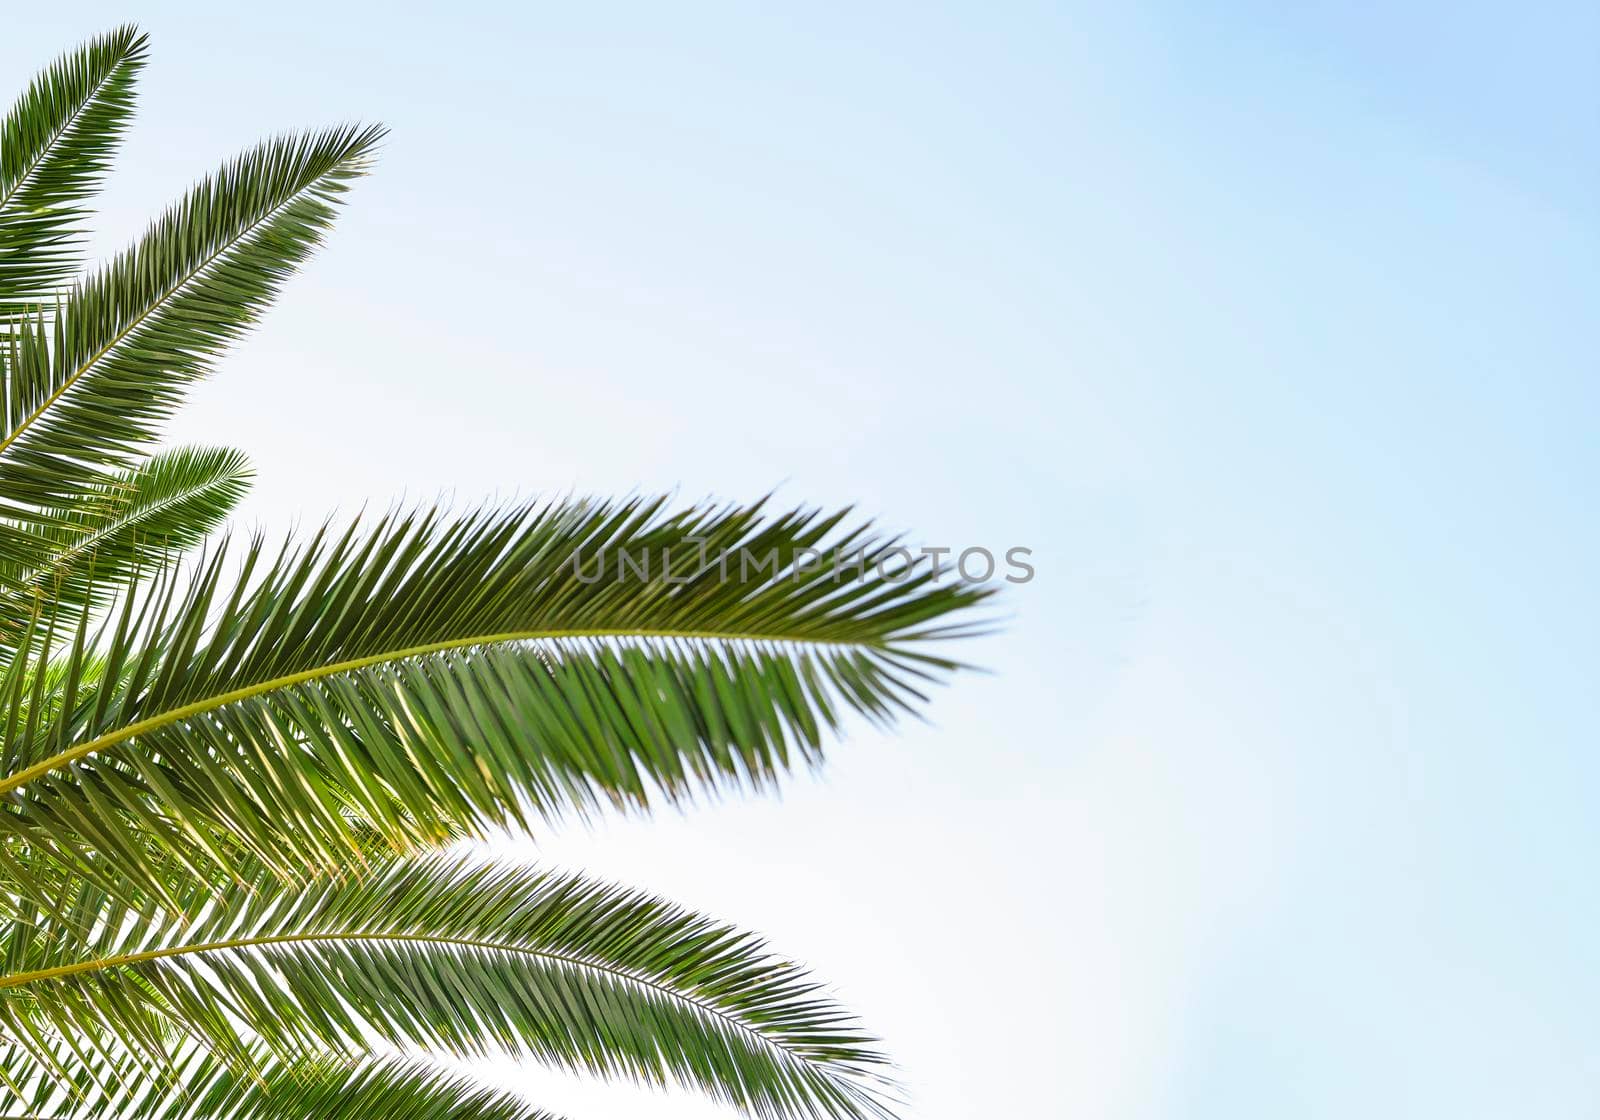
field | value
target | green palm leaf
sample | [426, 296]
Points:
[448, 954]
[196, 1086]
[55, 146]
[89, 390]
[131, 523]
[436, 673]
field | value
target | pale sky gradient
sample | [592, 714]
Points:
[1269, 330]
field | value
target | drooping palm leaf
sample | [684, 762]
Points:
[434, 673]
[448, 954]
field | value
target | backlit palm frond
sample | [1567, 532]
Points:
[436, 673]
[55, 147]
[455, 956]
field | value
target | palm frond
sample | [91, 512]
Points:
[132, 523]
[55, 147]
[89, 390]
[434, 674]
[450, 955]
[196, 1085]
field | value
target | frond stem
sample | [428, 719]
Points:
[211, 703]
[126, 960]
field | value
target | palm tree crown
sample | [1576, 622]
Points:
[236, 772]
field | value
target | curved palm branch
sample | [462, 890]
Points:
[436, 673]
[444, 953]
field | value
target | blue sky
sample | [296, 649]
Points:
[1268, 328]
